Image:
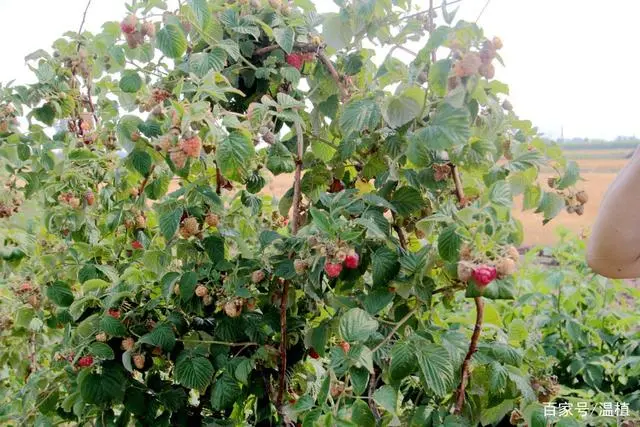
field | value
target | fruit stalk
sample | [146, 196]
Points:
[473, 346]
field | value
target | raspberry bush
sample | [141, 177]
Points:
[149, 276]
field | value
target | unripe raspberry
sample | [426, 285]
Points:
[340, 256]
[189, 227]
[138, 360]
[231, 309]
[582, 197]
[551, 182]
[74, 202]
[212, 220]
[512, 252]
[345, 346]
[191, 146]
[580, 210]
[316, 40]
[507, 105]
[134, 192]
[465, 252]
[148, 29]
[515, 418]
[176, 289]
[497, 43]
[141, 221]
[90, 198]
[275, 4]
[134, 40]
[25, 287]
[101, 337]
[250, 304]
[488, 71]
[201, 291]
[114, 312]
[128, 24]
[505, 267]
[488, 52]
[34, 301]
[484, 274]
[178, 157]
[333, 270]
[465, 271]
[207, 300]
[257, 276]
[269, 137]
[470, 63]
[300, 266]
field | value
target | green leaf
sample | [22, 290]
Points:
[322, 221]
[336, 31]
[498, 377]
[203, 62]
[570, 177]
[385, 266]
[532, 197]
[435, 364]
[188, 284]
[161, 336]
[285, 36]
[193, 371]
[407, 200]
[386, 397]
[500, 194]
[225, 392]
[99, 389]
[357, 325]
[60, 293]
[550, 205]
[358, 115]
[280, 160]
[243, 370]
[403, 360]
[360, 378]
[112, 326]
[234, 155]
[101, 350]
[130, 82]
[439, 76]
[141, 161]
[214, 246]
[171, 41]
[449, 128]
[169, 221]
[201, 11]
[400, 110]
[361, 414]
[449, 243]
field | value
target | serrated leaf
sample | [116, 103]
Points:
[285, 36]
[161, 336]
[60, 293]
[169, 221]
[130, 82]
[570, 177]
[500, 194]
[407, 200]
[102, 388]
[400, 110]
[141, 161]
[387, 397]
[449, 128]
[449, 243]
[359, 379]
[234, 155]
[532, 197]
[403, 360]
[280, 160]
[171, 41]
[322, 221]
[101, 350]
[112, 326]
[204, 62]
[550, 205]
[225, 392]
[188, 284]
[435, 364]
[193, 371]
[357, 325]
[385, 266]
[358, 115]
[201, 11]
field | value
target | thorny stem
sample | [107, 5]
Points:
[473, 346]
[327, 63]
[295, 225]
[372, 387]
[401, 236]
[228, 344]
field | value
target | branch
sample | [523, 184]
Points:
[327, 63]
[84, 18]
[394, 330]
[473, 346]
[299, 47]
[295, 225]
[398, 229]
[372, 387]
[145, 181]
[218, 180]
[228, 344]
[458, 183]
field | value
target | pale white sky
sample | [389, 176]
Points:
[570, 63]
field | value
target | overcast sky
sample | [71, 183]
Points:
[569, 63]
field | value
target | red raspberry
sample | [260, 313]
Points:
[128, 24]
[136, 245]
[25, 287]
[314, 354]
[332, 270]
[85, 361]
[336, 186]
[114, 312]
[148, 29]
[352, 260]
[345, 346]
[191, 146]
[484, 274]
[295, 60]
[90, 198]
